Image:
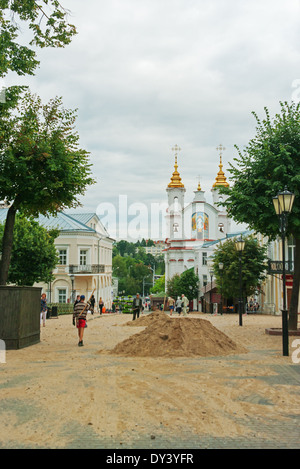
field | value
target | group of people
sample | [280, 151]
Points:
[91, 305]
[252, 305]
[81, 308]
[180, 305]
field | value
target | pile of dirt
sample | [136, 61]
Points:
[176, 337]
[147, 319]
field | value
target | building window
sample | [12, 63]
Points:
[62, 253]
[204, 258]
[62, 295]
[83, 257]
[291, 248]
[204, 280]
[221, 227]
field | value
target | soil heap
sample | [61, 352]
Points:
[176, 337]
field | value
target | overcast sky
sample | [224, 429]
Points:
[148, 74]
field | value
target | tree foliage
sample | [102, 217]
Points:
[42, 167]
[159, 285]
[253, 267]
[269, 163]
[47, 20]
[186, 283]
[34, 256]
[174, 287]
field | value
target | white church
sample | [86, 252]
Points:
[194, 230]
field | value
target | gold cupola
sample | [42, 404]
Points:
[176, 179]
[221, 178]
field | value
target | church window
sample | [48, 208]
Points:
[204, 258]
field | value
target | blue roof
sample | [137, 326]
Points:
[82, 217]
[229, 235]
[62, 222]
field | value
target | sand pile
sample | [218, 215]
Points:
[147, 319]
[176, 337]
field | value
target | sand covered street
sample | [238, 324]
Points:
[162, 381]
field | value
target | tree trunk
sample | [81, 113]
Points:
[7, 244]
[293, 312]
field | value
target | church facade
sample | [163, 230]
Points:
[194, 229]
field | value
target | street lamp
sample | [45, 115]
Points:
[221, 267]
[72, 277]
[239, 246]
[283, 204]
[211, 273]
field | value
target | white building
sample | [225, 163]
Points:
[85, 257]
[157, 249]
[85, 252]
[194, 230]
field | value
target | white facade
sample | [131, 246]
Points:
[85, 252]
[193, 231]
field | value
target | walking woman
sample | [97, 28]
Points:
[101, 304]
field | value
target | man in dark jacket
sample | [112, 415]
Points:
[137, 306]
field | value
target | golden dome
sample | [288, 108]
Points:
[176, 179]
[221, 178]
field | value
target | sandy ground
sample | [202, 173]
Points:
[55, 389]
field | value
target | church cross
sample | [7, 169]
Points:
[176, 149]
[220, 148]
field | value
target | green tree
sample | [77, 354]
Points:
[34, 256]
[186, 283]
[253, 267]
[174, 286]
[42, 168]
[269, 162]
[48, 22]
[189, 284]
[159, 285]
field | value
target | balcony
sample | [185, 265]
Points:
[87, 269]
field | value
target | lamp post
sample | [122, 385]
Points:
[211, 273]
[239, 246]
[221, 266]
[72, 277]
[283, 204]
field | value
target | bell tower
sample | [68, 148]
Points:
[223, 220]
[175, 191]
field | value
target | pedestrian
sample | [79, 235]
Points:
[76, 301]
[178, 305]
[137, 305]
[185, 303]
[92, 304]
[101, 304]
[79, 318]
[43, 309]
[171, 303]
